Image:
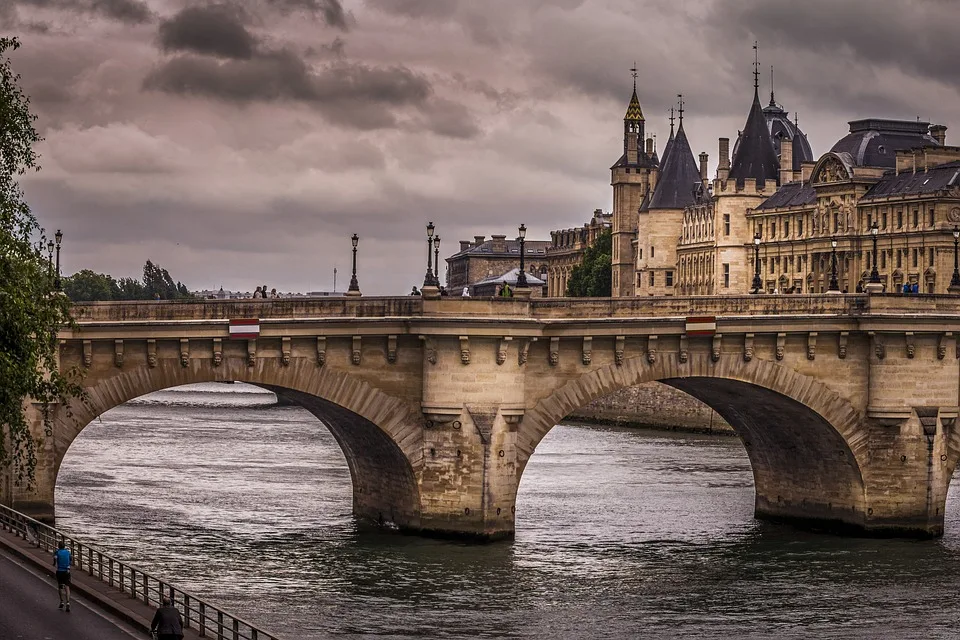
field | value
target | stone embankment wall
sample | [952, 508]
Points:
[655, 405]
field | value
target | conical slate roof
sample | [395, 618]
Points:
[754, 156]
[634, 112]
[678, 176]
[667, 147]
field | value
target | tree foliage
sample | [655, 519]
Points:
[30, 311]
[592, 278]
[85, 286]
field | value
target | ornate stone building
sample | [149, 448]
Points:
[693, 237]
[566, 250]
[482, 259]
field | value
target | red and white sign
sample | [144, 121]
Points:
[701, 326]
[244, 328]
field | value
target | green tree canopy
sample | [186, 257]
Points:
[592, 278]
[87, 286]
[30, 311]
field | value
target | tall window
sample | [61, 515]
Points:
[786, 228]
[869, 220]
[800, 226]
[915, 257]
[930, 218]
[653, 279]
[726, 224]
[899, 219]
[641, 253]
[916, 218]
[669, 278]
[931, 257]
[884, 225]
[883, 259]
[899, 260]
[726, 276]
[651, 253]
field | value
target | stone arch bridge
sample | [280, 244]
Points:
[846, 404]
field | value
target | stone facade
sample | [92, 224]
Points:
[566, 250]
[482, 259]
[778, 209]
[846, 404]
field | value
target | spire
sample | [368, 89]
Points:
[755, 156]
[679, 175]
[680, 108]
[773, 102]
[669, 144]
[756, 67]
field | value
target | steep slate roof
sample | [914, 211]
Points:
[874, 142]
[792, 194]
[678, 176]
[754, 156]
[919, 183]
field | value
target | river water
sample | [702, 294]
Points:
[620, 533]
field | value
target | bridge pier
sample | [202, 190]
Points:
[35, 498]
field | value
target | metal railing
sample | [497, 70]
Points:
[207, 619]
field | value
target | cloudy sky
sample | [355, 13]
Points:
[242, 142]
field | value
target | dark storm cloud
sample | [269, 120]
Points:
[331, 10]
[215, 30]
[917, 36]
[127, 11]
[353, 94]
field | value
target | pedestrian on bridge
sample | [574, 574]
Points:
[61, 560]
[167, 623]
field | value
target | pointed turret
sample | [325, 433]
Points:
[678, 176]
[669, 145]
[754, 156]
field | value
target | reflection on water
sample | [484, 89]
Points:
[620, 533]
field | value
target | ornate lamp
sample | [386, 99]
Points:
[522, 277]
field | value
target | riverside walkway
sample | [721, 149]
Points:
[111, 599]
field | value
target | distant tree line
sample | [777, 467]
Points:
[87, 286]
[593, 278]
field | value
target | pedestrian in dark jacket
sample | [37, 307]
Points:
[167, 623]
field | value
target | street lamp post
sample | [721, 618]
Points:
[56, 280]
[428, 278]
[874, 274]
[756, 264]
[354, 289]
[522, 277]
[834, 285]
[955, 280]
[436, 257]
[50, 261]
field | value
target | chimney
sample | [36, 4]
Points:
[723, 170]
[939, 132]
[477, 241]
[465, 244]
[703, 165]
[786, 161]
[806, 170]
[499, 244]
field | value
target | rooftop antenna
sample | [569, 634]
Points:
[680, 104]
[633, 72]
[756, 65]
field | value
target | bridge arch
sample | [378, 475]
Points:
[806, 443]
[379, 434]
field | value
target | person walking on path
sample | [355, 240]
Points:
[167, 623]
[61, 560]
